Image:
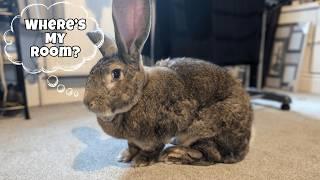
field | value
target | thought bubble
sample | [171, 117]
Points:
[63, 42]
[61, 88]
[69, 92]
[76, 94]
[52, 81]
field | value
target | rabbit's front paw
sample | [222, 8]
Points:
[125, 156]
[180, 155]
[128, 154]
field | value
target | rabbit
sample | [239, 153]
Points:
[197, 104]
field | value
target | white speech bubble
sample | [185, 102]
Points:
[73, 38]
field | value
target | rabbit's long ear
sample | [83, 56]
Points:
[108, 46]
[132, 21]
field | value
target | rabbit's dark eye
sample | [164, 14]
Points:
[116, 74]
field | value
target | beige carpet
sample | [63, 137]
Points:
[65, 142]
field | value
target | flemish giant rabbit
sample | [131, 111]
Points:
[196, 102]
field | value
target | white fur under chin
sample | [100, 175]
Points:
[109, 116]
[106, 117]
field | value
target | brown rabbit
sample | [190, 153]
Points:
[196, 102]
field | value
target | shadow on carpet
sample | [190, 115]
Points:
[99, 153]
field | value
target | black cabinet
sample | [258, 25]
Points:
[14, 97]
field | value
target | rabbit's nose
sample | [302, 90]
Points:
[90, 103]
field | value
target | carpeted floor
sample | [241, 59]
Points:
[65, 142]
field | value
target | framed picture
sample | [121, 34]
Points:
[276, 61]
[296, 42]
[287, 55]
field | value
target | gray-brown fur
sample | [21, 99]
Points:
[197, 103]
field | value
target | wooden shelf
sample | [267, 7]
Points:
[14, 108]
[6, 13]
